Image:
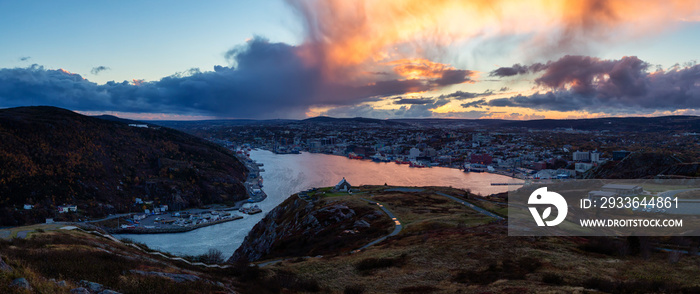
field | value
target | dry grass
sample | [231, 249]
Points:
[439, 256]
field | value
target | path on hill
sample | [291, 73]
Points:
[397, 225]
[472, 206]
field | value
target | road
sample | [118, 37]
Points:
[472, 206]
[397, 225]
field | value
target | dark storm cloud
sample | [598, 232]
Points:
[453, 77]
[460, 95]
[611, 86]
[413, 101]
[266, 80]
[96, 70]
[477, 103]
[517, 69]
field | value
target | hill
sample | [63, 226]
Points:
[446, 246]
[52, 156]
[645, 165]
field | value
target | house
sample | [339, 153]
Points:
[601, 194]
[343, 185]
[28, 206]
[138, 201]
[623, 190]
[67, 208]
[49, 221]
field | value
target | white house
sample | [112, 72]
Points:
[67, 208]
[28, 206]
[343, 185]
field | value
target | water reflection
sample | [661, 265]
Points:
[288, 174]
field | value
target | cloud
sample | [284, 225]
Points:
[610, 86]
[25, 58]
[476, 104]
[98, 69]
[412, 111]
[461, 95]
[413, 101]
[265, 80]
[346, 34]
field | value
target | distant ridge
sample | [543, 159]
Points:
[362, 120]
[650, 124]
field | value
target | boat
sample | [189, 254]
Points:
[250, 210]
[474, 168]
[402, 161]
[353, 155]
[416, 164]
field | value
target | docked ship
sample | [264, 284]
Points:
[250, 210]
[416, 164]
[379, 158]
[402, 161]
[353, 155]
[474, 168]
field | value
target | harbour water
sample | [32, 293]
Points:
[290, 173]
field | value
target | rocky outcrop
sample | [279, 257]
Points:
[175, 277]
[4, 267]
[21, 283]
[300, 228]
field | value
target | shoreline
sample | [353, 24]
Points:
[497, 172]
[146, 231]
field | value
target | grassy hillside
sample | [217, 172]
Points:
[51, 156]
[446, 247]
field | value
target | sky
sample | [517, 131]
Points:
[268, 59]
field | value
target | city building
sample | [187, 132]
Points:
[623, 190]
[582, 156]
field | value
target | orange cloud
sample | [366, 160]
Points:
[347, 37]
[419, 68]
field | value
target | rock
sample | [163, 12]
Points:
[109, 292]
[80, 290]
[92, 286]
[175, 277]
[361, 224]
[4, 267]
[20, 283]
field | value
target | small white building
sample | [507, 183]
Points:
[67, 208]
[343, 185]
[28, 206]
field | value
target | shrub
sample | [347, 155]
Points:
[369, 264]
[354, 289]
[552, 279]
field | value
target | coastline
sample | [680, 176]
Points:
[140, 231]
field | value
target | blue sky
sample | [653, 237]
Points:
[293, 59]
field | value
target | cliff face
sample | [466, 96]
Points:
[51, 156]
[299, 228]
